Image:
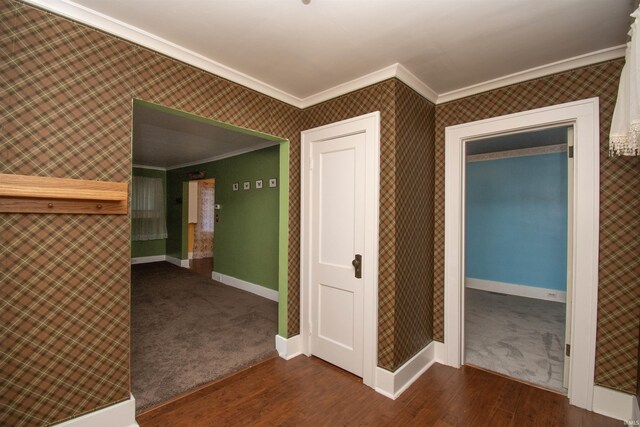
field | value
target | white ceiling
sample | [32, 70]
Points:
[304, 49]
[166, 140]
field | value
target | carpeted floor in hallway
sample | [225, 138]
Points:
[187, 330]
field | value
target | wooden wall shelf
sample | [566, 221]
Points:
[39, 194]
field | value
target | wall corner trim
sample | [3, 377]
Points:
[615, 404]
[393, 384]
[177, 261]
[440, 352]
[288, 348]
[245, 286]
[121, 414]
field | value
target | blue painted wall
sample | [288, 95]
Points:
[516, 220]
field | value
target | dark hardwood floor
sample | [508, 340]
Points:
[310, 392]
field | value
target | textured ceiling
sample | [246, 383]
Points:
[303, 49]
[166, 139]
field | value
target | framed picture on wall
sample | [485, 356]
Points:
[259, 183]
[246, 185]
[235, 186]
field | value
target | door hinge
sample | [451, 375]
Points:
[567, 350]
[570, 150]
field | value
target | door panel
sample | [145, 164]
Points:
[337, 222]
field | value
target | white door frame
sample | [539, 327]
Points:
[369, 124]
[584, 115]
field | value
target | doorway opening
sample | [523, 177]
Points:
[205, 294]
[583, 284]
[201, 218]
[516, 236]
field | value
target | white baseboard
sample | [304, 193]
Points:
[392, 384]
[615, 404]
[246, 286]
[147, 259]
[288, 348]
[518, 290]
[177, 261]
[121, 414]
[440, 353]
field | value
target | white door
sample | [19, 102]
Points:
[338, 267]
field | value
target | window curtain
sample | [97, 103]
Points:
[203, 233]
[624, 138]
[148, 217]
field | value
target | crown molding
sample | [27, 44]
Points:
[136, 35]
[395, 70]
[536, 72]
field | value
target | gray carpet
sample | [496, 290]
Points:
[516, 336]
[187, 330]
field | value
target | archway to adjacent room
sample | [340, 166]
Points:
[206, 325]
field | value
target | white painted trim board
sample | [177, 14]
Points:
[121, 414]
[615, 404]
[184, 263]
[515, 289]
[584, 115]
[288, 348]
[245, 286]
[148, 259]
[393, 384]
[136, 35]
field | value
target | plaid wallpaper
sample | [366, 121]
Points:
[619, 267]
[65, 96]
[415, 162]
[65, 99]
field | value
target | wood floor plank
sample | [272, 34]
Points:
[310, 392]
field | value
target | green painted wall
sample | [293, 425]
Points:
[144, 248]
[246, 236]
